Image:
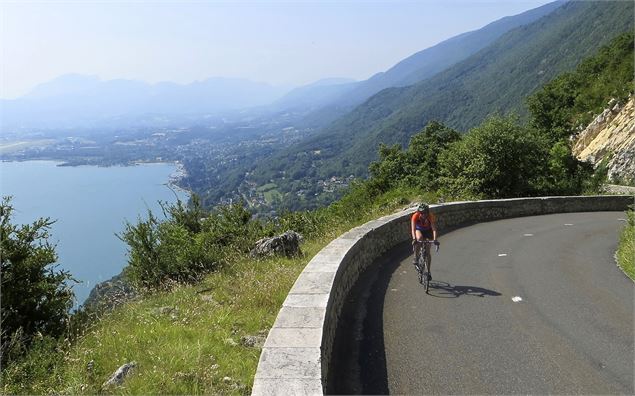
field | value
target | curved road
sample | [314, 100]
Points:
[532, 305]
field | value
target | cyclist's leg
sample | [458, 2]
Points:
[428, 236]
[417, 249]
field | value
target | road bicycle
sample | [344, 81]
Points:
[421, 261]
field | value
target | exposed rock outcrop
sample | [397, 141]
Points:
[612, 136]
[287, 244]
[120, 375]
[616, 189]
[253, 341]
[110, 294]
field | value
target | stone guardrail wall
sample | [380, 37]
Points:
[295, 358]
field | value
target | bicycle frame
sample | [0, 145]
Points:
[423, 263]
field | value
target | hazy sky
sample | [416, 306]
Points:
[279, 42]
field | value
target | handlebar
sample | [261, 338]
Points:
[435, 242]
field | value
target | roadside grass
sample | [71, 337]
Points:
[626, 250]
[189, 340]
[185, 341]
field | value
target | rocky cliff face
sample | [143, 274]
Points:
[611, 136]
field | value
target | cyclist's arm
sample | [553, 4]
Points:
[433, 223]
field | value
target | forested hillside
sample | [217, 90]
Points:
[506, 157]
[497, 79]
[428, 62]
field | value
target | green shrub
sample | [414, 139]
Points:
[163, 251]
[36, 297]
[498, 159]
[307, 223]
[189, 242]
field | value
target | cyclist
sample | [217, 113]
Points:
[423, 226]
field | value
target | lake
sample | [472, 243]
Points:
[90, 205]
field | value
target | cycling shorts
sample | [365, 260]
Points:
[426, 232]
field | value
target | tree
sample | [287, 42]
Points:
[389, 170]
[36, 297]
[417, 166]
[499, 159]
[423, 152]
[566, 174]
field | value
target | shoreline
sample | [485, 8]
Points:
[173, 178]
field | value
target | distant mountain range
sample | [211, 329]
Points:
[495, 79]
[75, 100]
[315, 96]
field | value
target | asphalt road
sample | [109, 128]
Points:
[532, 305]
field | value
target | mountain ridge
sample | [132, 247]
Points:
[425, 63]
[75, 100]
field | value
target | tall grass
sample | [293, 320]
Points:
[626, 250]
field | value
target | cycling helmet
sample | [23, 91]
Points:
[423, 207]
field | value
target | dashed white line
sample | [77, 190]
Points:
[568, 224]
[517, 299]
[528, 235]
[502, 255]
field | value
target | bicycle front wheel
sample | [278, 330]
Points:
[425, 271]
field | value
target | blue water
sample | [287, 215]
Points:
[90, 205]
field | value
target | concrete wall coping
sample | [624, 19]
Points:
[296, 354]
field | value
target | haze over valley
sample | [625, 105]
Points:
[277, 147]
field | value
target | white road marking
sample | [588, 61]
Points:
[393, 289]
[502, 255]
[528, 235]
[568, 224]
[622, 220]
[517, 299]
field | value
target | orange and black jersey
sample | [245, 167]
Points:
[422, 222]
